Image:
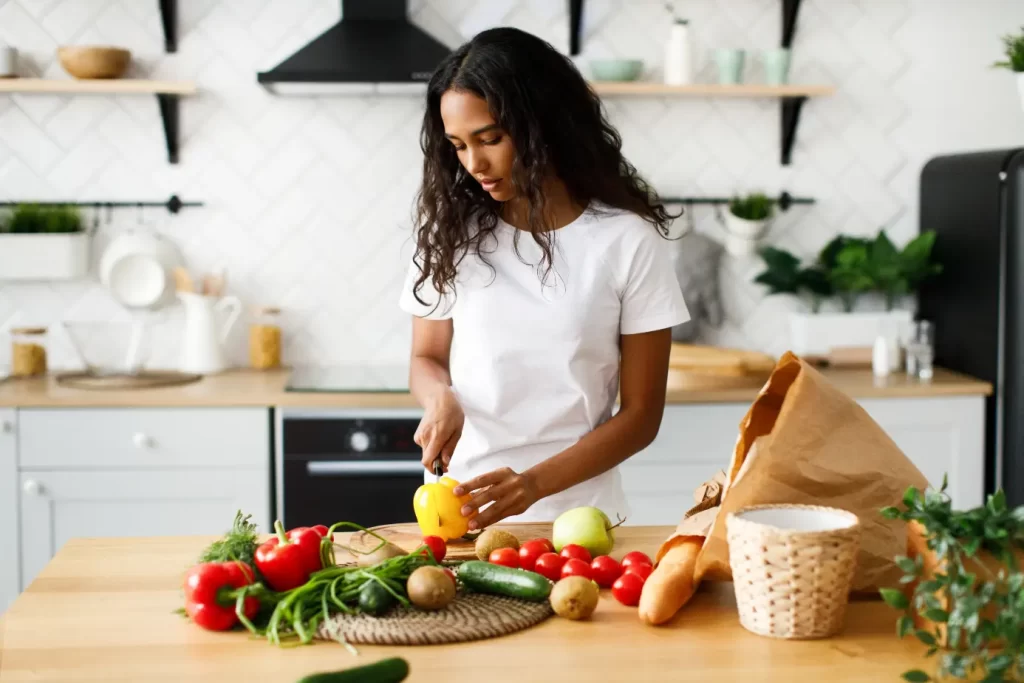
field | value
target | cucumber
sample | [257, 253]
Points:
[485, 577]
[390, 670]
[375, 599]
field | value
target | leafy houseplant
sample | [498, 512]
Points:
[43, 243]
[1013, 48]
[785, 276]
[746, 222]
[965, 594]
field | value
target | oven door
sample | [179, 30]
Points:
[366, 492]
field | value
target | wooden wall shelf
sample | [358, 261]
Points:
[642, 88]
[168, 93]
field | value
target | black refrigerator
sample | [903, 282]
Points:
[975, 203]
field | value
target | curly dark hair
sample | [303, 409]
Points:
[555, 122]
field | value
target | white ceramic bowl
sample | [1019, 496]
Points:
[136, 268]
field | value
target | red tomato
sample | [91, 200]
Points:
[605, 569]
[626, 589]
[546, 543]
[451, 574]
[436, 545]
[641, 570]
[575, 551]
[635, 557]
[549, 565]
[507, 557]
[531, 550]
[576, 567]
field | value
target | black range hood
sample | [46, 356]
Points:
[374, 46]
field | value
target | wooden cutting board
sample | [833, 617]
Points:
[408, 537]
[713, 360]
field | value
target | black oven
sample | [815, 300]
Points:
[337, 465]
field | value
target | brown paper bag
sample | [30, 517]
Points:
[805, 442]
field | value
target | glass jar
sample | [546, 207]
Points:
[265, 339]
[28, 351]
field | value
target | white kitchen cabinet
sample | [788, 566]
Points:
[9, 570]
[101, 472]
[60, 505]
[939, 435]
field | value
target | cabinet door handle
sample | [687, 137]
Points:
[33, 487]
[142, 441]
[7, 427]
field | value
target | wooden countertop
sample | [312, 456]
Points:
[102, 609]
[253, 388]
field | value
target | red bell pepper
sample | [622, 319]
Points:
[207, 587]
[287, 560]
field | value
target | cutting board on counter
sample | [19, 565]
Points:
[408, 537]
[693, 366]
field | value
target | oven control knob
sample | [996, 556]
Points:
[359, 441]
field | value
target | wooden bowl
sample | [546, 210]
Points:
[93, 61]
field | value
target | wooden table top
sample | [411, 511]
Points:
[102, 610]
[264, 389]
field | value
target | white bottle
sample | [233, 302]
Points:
[678, 55]
[880, 357]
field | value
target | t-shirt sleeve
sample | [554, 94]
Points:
[652, 299]
[433, 306]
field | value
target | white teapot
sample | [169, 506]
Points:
[208, 321]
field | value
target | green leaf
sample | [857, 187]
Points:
[904, 625]
[939, 615]
[908, 578]
[907, 565]
[891, 512]
[925, 637]
[929, 586]
[1000, 663]
[912, 498]
[945, 482]
[894, 598]
[916, 676]
[971, 547]
[997, 502]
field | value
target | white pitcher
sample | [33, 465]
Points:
[207, 323]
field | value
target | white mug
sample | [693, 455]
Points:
[8, 61]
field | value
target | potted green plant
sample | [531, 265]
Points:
[746, 222]
[846, 269]
[43, 243]
[962, 593]
[1013, 49]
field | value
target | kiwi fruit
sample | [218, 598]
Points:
[492, 539]
[430, 588]
[574, 597]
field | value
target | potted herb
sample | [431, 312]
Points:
[962, 590]
[43, 243]
[846, 269]
[1013, 49]
[747, 222]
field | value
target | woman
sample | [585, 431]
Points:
[540, 287]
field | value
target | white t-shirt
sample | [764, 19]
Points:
[535, 365]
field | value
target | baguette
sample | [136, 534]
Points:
[671, 584]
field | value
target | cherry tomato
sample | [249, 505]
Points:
[506, 557]
[546, 543]
[451, 574]
[635, 557]
[531, 550]
[605, 569]
[436, 545]
[576, 567]
[575, 551]
[549, 565]
[641, 570]
[626, 589]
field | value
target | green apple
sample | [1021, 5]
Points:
[585, 526]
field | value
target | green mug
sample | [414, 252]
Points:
[730, 65]
[776, 66]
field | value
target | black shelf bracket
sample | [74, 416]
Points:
[168, 104]
[575, 22]
[790, 10]
[790, 116]
[174, 204]
[169, 18]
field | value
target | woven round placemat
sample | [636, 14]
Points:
[471, 616]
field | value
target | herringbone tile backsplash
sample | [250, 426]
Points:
[307, 200]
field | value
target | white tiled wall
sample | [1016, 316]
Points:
[307, 199]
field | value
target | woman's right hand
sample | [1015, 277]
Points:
[440, 429]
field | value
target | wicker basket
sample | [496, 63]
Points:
[792, 566]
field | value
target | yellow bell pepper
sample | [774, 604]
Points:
[439, 510]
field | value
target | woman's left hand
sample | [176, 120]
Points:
[510, 492]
